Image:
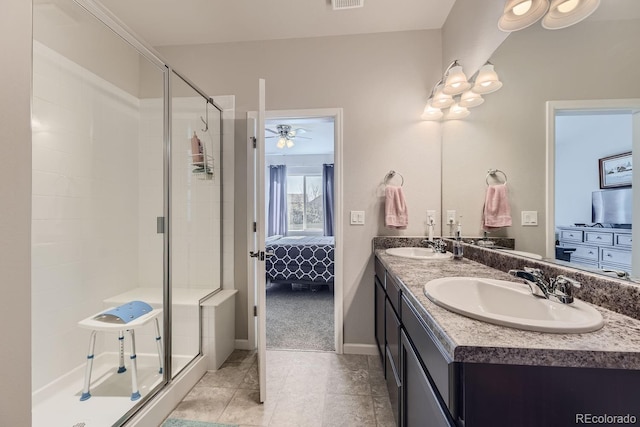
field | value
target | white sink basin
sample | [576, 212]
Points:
[511, 304]
[418, 253]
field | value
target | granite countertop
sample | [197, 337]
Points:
[616, 345]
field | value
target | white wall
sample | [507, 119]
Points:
[85, 206]
[508, 131]
[580, 141]
[15, 211]
[382, 82]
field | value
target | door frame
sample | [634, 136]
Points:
[338, 295]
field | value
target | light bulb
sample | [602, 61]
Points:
[290, 143]
[522, 8]
[281, 143]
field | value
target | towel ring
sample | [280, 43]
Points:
[493, 173]
[391, 174]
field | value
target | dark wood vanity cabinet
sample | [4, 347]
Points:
[415, 397]
[427, 388]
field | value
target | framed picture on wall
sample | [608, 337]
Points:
[616, 171]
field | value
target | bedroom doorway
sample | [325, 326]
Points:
[300, 211]
[314, 279]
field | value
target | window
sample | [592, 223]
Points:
[304, 203]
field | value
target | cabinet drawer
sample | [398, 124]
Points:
[393, 334]
[393, 293]
[598, 238]
[615, 256]
[394, 387]
[571, 235]
[586, 252]
[438, 365]
[622, 239]
[380, 272]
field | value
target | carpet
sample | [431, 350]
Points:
[300, 317]
[175, 422]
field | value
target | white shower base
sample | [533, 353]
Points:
[58, 404]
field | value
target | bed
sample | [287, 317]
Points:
[301, 259]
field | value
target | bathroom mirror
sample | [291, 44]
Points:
[596, 59]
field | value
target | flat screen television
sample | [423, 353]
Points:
[612, 207]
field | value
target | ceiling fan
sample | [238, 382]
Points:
[286, 135]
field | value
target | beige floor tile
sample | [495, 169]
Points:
[203, 404]
[382, 409]
[348, 381]
[348, 411]
[298, 410]
[250, 380]
[375, 363]
[350, 361]
[229, 375]
[306, 379]
[245, 407]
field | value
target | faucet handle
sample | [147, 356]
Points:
[534, 271]
[566, 285]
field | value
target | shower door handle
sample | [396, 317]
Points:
[257, 254]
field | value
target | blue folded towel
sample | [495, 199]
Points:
[125, 313]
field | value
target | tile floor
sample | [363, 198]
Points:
[304, 388]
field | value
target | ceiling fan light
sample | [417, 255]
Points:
[441, 99]
[431, 113]
[564, 13]
[487, 80]
[519, 14]
[281, 143]
[470, 99]
[290, 143]
[456, 82]
[457, 112]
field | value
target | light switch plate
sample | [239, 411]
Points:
[529, 217]
[431, 214]
[357, 217]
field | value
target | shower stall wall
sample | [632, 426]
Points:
[121, 212]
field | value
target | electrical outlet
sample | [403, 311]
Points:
[451, 217]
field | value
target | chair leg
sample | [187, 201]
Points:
[135, 393]
[159, 342]
[121, 367]
[87, 373]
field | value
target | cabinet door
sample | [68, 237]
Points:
[380, 317]
[420, 405]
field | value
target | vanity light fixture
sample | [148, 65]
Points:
[439, 99]
[431, 113]
[519, 14]
[484, 81]
[557, 14]
[470, 99]
[456, 81]
[457, 112]
[564, 13]
[487, 80]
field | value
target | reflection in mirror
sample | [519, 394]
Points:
[593, 60]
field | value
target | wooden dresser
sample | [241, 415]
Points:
[603, 248]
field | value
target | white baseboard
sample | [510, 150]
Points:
[244, 345]
[368, 349]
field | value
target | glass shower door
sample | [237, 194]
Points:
[195, 215]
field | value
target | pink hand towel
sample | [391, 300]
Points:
[496, 212]
[395, 208]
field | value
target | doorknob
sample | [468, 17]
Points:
[253, 254]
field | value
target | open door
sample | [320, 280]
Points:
[257, 247]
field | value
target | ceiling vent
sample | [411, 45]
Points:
[346, 4]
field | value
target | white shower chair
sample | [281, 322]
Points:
[97, 325]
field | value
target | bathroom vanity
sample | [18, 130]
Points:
[445, 369]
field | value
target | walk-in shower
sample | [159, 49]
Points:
[125, 208]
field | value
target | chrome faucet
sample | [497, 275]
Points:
[559, 289]
[437, 245]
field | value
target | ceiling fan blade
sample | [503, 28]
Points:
[303, 137]
[274, 136]
[301, 130]
[272, 131]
